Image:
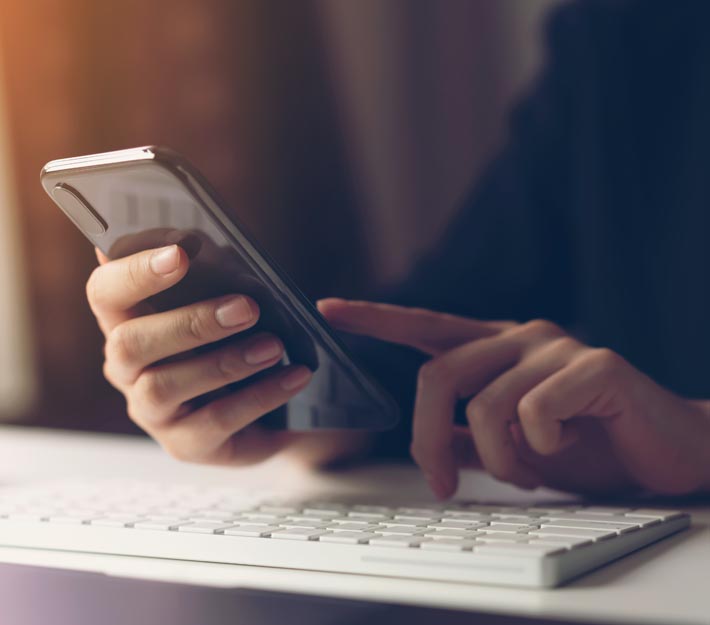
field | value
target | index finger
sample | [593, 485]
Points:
[428, 331]
[117, 286]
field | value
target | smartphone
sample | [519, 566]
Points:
[132, 200]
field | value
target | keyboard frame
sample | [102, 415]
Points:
[531, 572]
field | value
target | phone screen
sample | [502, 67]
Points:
[136, 205]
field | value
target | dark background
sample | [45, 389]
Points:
[341, 133]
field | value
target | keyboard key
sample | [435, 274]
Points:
[553, 509]
[373, 516]
[213, 517]
[204, 528]
[69, 519]
[349, 521]
[457, 525]
[311, 524]
[402, 531]
[663, 515]
[400, 523]
[432, 512]
[448, 544]
[261, 522]
[397, 541]
[516, 514]
[450, 533]
[599, 518]
[348, 538]
[352, 527]
[298, 533]
[164, 526]
[509, 527]
[123, 521]
[263, 516]
[592, 525]
[516, 518]
[503, 538]
[467, 516]
[305, 517]
[321, 514]
[252, 531]
[569, 531]
[568, 541]
[422, 518]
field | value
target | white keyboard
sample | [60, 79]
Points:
[538, 546]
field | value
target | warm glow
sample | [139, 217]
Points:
[17, 379]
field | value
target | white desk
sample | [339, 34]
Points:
[668, 582]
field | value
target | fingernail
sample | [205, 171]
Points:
[165, 260]
[234, 312]
[295, 379]
[261, 350]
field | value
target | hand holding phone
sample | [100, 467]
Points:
[151, 359]
[204, 334]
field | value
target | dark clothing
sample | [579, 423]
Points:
[597, 213]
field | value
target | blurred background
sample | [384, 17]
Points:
[342, 133]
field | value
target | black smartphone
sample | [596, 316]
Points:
[131, 200]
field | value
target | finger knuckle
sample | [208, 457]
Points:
[258, 400]
[605, 361]
[133, 411]
[564, 345]
[108, 374]
[480, 411]
[432, 373]
[224, 366]
[198, 325]
[154, 388]
[122, 345]
[136, 272]
[531, 407]
[606, 358]
[542, 328]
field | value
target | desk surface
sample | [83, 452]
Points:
[668, 582]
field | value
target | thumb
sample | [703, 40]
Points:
[428, 331]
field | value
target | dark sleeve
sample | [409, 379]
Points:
[507, 255]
